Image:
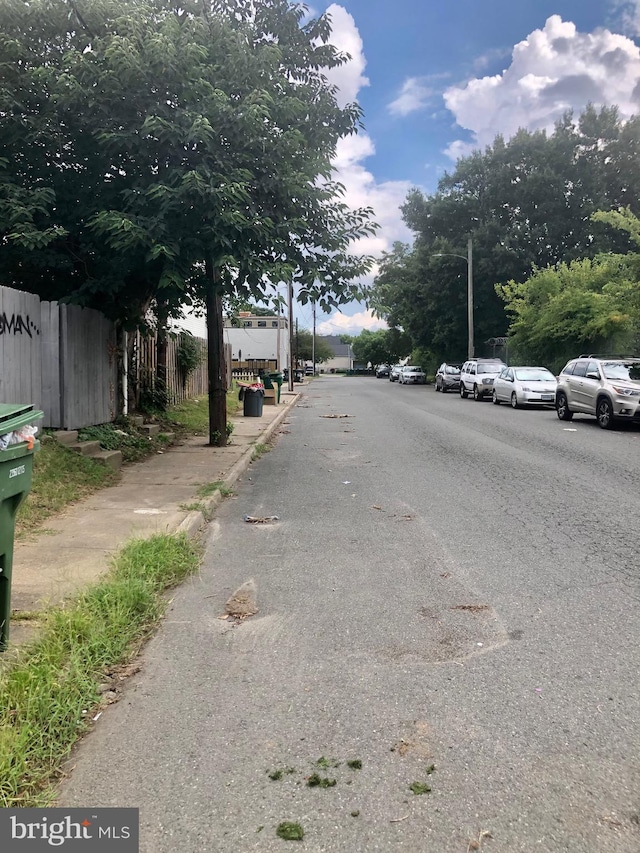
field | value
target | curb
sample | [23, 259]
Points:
[193, 524]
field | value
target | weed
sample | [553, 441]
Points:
[327, 762]
[355, 764]
[419, 788]
[259, 450]
[276, 775]
[430, 769]
[25, 615]
[47, 691]
[315, 781]
[290, 831]
[217, 486]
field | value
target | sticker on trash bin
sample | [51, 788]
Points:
[15, 472]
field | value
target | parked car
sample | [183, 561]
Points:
[394, 373]
[606, 387]
[308, 371]
[447, 377]
[382, 370]
[412, 375]
[522, 386]
[477, 375]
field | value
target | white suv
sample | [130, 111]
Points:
[477, 375]
[607, 387]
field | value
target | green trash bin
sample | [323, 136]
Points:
[16, 466]
[278, 378]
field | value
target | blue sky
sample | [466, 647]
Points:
[437, 79]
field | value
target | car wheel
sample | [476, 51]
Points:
[477, 396]
[562, 407]
[444, 389]
[514, 400]
[494, 398]
[604, 414]
[463, 392]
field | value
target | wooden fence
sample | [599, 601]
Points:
[20, 348]
[68, 361]
[144, 365]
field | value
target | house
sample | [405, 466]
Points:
[342, 355]
[258, 343]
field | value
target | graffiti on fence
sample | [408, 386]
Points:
[17, 325]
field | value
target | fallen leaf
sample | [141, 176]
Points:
[376, 506]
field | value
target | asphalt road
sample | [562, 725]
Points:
[450, 583]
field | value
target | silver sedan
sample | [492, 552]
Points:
[522, 386]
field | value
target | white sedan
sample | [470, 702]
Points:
[523, 386]
[412, 375]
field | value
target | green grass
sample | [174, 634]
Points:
[192, 416]
[50, 692]
[317, 781]
[259, 450]
[419, 788]
[60, 477]
[218, 486]
[290, 831]
[126, 438]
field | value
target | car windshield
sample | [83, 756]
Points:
[489, 367]
[534, 374]
[454, 370]
[620, 370]
[413, 369]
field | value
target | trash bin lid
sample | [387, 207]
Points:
[13, 416]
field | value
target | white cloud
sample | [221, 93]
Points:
[349, 78]
[413, 96]
[553, 70]
[361, 187]
[341, 324]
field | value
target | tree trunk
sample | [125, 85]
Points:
[215, 360]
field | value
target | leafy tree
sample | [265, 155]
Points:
[528, 204]
[304, 350]
[570, 308]
[385, 346]
[155, 172]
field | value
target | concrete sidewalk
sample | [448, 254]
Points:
[77, 546]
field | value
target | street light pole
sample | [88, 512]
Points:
[469, 260]
[470, 346]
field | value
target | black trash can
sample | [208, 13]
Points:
[253, 401]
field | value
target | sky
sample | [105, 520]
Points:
[438, 79]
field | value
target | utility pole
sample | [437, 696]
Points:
[470, 296]
[290, 298]
[313, 340]
[297, 344]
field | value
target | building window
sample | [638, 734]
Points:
[274, 324]
[247, 323]
[262, 324]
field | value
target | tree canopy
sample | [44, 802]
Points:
[527, 203]
[384, 346]
[173, 154]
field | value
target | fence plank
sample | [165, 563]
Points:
[20, 362]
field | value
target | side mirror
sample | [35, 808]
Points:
[593, 376]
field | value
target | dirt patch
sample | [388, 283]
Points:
[471, 608]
